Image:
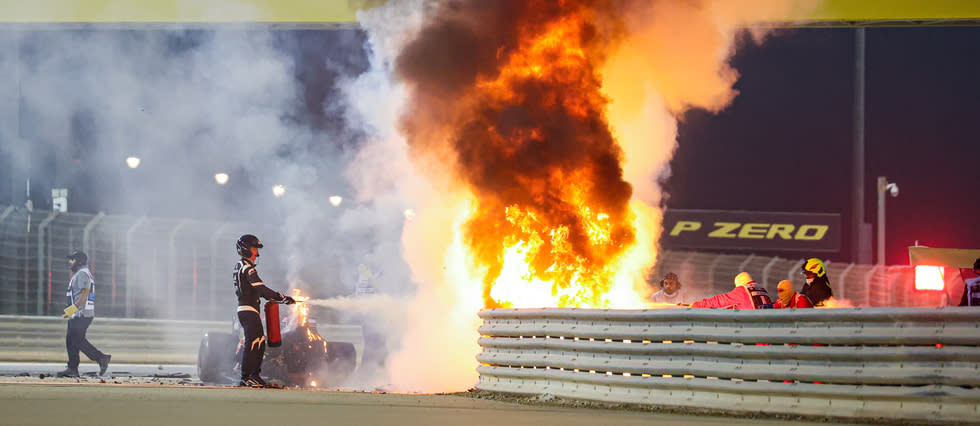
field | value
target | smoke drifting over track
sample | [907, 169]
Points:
[529, 137]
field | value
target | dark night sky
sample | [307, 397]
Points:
[785, 143]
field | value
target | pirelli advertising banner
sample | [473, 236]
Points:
[742, 230]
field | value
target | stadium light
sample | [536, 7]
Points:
[278, 190]
[133, 162]
[221, 178]
[409, 214]
[335, 200]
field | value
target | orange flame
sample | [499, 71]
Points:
[554, 240]
[301, 311]
[513, 95]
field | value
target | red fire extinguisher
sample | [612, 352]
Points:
[272, 324]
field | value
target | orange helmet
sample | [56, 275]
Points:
[815, 266]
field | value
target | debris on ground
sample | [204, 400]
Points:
[172, 375]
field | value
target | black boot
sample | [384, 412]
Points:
[251, 382]
[258, 379]
[68, 372]
[104, 364]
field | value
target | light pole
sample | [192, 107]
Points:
[861, 238]
[892, 188]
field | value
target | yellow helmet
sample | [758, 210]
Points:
[743, 279]
[815, 266]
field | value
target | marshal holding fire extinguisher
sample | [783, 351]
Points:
[272, 324]
[249, 288]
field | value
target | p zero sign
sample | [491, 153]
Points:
[742, 230]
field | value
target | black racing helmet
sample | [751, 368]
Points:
[80, 257]
[245, 244]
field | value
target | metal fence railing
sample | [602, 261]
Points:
[144, 267]
[173, 268]
[706, 274]
[907, 364]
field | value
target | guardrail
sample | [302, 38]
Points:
[42, 339]
[900, 363]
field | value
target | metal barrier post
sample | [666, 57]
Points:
[212, 291]
[867, 282]
[87, 235]
[6, 212]
[40, 262]
[172, 303]
[686, 264]
[711, 272]
[765, 270]
[741, 266]
[843, 282]
[130, 294]
[794, 269]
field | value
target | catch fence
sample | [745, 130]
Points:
[705, 274]
[144, 267]
[173, 268]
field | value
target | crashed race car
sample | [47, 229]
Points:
[304, 359]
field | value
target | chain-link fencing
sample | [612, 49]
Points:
[144, 267]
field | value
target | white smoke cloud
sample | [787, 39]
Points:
[190, 102]
[421, 326]
[675, 58]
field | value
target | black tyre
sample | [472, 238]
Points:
[216, 357]
[341, 362]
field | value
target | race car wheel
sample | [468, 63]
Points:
[216, 357]
[341, 362]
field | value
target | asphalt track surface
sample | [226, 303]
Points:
[142, 394]
[87, 368]
[107, 404]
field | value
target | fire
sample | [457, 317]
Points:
[833, 303]
[301, 311]
[507, 113]
[571, 281]
[312, 337]
[551, 220]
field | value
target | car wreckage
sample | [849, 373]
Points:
[305, 358]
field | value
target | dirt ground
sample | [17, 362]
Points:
[155, 401]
